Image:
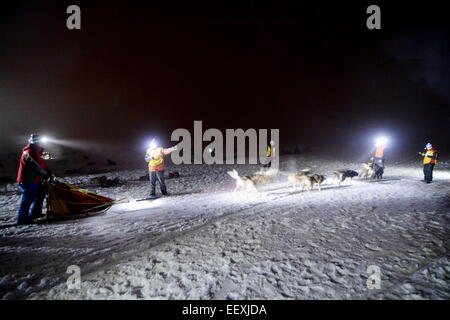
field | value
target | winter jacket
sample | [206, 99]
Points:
[379, 152]
[155, 158]
[268, 151]
[430, 156]
[31, 167]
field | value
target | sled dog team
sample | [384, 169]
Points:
[302, 178]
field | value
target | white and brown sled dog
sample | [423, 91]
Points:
[251, 183]
[367, 171]
[307, 181]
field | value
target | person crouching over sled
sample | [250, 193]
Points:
[32, 171]
[155, 158]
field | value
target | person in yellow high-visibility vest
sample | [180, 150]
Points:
[155, 158]
[430, 157]
[270, 152]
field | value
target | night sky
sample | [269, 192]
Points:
[311, 69]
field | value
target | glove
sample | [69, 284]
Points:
[42, 172]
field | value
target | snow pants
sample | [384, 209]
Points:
[378, 171]
[157, 175]
[428, 172]
[268, 164]
[33, 195]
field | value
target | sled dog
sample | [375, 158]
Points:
[341, 175]
[249, 183]
[307, 181]
[367, 171]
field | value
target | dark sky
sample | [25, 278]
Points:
[311, 69]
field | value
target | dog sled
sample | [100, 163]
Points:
[66, 200]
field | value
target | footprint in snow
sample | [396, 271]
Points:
[373, 248]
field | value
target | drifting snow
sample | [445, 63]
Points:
[208, 242]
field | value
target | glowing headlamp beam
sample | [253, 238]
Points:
[381, 141]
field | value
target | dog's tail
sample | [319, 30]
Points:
[288, 173]
[365, 165]
[270, 172]
[285, 173]
[234, 174]
[304, 172]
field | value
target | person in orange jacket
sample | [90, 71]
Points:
[155, 158]
[378, 157]
[429, 161]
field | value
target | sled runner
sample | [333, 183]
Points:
[149, 198]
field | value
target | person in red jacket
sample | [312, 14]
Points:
[32, 170]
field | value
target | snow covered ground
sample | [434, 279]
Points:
[207, 242]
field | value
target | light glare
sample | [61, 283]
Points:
[381, 141]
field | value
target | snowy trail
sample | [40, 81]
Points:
[213, 245]
[100, 240]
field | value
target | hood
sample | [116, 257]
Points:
[33, 148]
